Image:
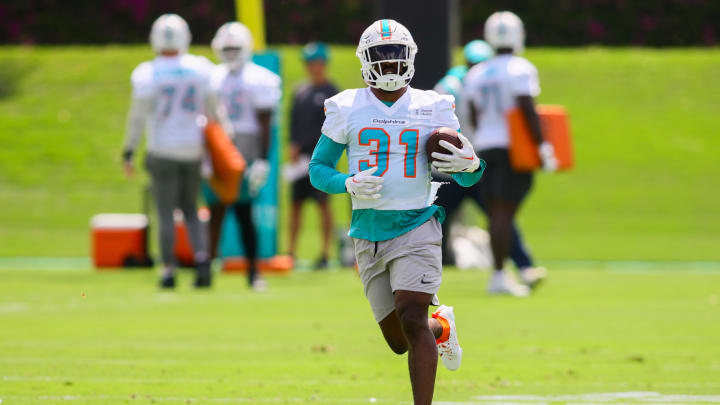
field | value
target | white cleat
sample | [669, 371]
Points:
[450, 351]
[532, 276]
[502, 282]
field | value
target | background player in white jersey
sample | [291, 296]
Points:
[171, 97]
[395, 228]
[495, 87]
[451, 196]
[249, 94]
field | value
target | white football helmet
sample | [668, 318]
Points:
[170, 33]
[387, 41]
[233, 44]
[504, 29]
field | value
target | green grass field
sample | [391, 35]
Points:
[644, 190]
[645, 128]
[77, 337]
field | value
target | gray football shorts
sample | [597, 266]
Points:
[410, 262]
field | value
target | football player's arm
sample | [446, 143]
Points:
[264, 117]
[294, 131]
[526, 87]
[527, 106]
[469, 179]
[265, 99]
[216, 112]
[462, 164]
[465, 179]
[474, 113]
[140, 109]
[323, 174]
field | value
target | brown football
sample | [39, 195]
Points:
[441, 134]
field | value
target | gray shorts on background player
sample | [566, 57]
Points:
[410, 262]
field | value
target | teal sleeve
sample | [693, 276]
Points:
[469, 179]
[323, 175]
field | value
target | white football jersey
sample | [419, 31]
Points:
[493, 87]
[243, 93]
[178, 87]
[391, 138]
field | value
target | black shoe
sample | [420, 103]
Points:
[203, 277]
[321, 264]
[167, 282]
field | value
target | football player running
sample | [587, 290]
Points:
[171, 98]
[451, 196]
[395, 227]
[495, 87]
[249, 93]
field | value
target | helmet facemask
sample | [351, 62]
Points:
[395, 59]
[233, 57]
[233, 45]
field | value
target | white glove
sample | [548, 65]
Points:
[257, 175]
[547, 156]
[364, 185]
[458, 160]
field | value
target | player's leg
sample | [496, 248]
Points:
[165, 188]
[530, 275]
[501, 214]
[327, 226]
[412, 310]
[189, 190]
[519, 253]
[382, 301]
[295, 222]
[243, 214]
[505, 191]
[217, 216]
[415, 268]
[298, 198]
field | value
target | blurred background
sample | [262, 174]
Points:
[632, 231]
[639, 80]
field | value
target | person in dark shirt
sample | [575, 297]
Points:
[305, 125]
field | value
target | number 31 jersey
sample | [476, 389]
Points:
[392, 138]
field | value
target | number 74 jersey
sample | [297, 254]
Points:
[392, 138]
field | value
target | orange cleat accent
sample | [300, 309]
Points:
[446, 328]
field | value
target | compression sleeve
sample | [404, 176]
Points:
[137, 117]
[469, 179]
[323, 175]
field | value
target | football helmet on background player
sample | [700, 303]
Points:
[233, 44]
[504, 29]
[387, 41]
[170, 33]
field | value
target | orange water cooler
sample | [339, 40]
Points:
[119, 240]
